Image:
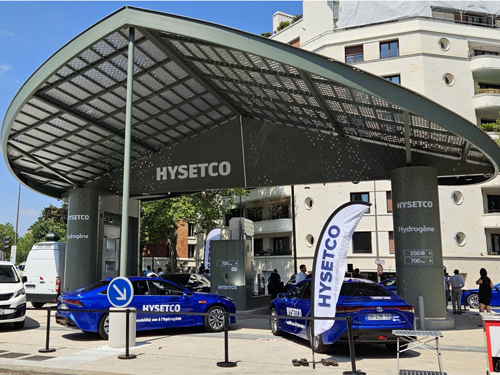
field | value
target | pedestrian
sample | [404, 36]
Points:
[485, 288]
[356, 274]
[148, 270]
[302, 275]
[206, 273]
[447, 290]
[160, 271]
[201, 270]
[274, 284]
[457, 283]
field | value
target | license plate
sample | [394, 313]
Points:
[379, 316]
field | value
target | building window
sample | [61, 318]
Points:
[388, 195]
[258, 246]
[191, 249]
[457, 197]
[449, 79]
[391, 243]
[362, 242]
[395, 78]
[309, 240]
[389, 49]
[191, 230]
[280, 211]
[460, 238]
[354, 54]
[444, 44]
[495, 244]
[365, 197]
[233, 213]
[493, 203]
[295, 42]
[255, 214]
[281, 246]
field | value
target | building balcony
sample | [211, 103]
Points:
[485, 67]
[487, 103]
[273, 227]
[491, 219]
[192, 240]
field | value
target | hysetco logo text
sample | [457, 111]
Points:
[201, 170]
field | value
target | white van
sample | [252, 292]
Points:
[12, 296]
[44, 271]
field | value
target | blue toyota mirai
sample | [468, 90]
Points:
[374, 311]
[150, 295]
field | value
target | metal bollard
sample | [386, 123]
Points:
[127, 337]
[226, 362]
[421, 312]
[47, 337]
[354, 371]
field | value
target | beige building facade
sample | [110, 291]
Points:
[450, 56]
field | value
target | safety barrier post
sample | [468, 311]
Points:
[226, 362]
[351, 350]
[127, 334]
[47, 349]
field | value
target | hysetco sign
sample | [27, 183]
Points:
[201, 170]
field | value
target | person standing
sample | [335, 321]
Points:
[447, 290]
[160, 271]
[485, 288]
[457, 283]
[356, 274]
[274, 284]
[302, 275]
[148, 270]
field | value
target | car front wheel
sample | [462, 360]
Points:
[103, 329]
[275, 323]
[473, 301]
[214, 321]
[317, 342]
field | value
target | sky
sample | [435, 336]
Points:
[31, 32]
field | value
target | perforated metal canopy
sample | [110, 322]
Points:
[65, 127]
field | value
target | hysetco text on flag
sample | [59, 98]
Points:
[330, 261]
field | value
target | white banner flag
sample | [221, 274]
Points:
[213, 235]
[330, 261]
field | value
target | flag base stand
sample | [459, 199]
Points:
[227, 364]
[357, 372]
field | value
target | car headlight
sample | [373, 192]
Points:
[20, 292]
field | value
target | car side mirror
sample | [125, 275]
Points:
[24, 279]
[281, 295]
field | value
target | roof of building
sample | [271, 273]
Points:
[285, 110]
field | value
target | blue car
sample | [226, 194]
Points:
[390, 284]
[150, 295]
[471, 297]
[374, 311]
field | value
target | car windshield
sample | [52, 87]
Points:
[363, 289]
[8, 274]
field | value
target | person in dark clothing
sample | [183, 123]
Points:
[485, 288]
[356, 274]
[274, 284]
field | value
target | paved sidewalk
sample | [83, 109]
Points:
[251, 345]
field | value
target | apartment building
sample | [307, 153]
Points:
[450, 55]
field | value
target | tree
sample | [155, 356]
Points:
[51, 218]
[266, 34]
[208, 208]
[283, 25]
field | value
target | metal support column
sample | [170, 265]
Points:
[126, 155]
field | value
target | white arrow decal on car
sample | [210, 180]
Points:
[123, 295]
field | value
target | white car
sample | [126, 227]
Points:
[12, 296]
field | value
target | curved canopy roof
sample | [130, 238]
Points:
[208, 93]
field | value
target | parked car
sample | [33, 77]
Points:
[375, 312]
[12, 296]
[390, 284]
[45, 272]
[191, 281]
[471, 297]
[150, 294]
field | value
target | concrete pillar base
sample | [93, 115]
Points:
[433, 324]
[117, 324]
